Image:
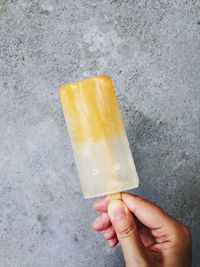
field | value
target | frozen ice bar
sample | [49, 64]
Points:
[101, 149]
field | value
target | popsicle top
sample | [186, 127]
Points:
[91, 109]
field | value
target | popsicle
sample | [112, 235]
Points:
[100, 145]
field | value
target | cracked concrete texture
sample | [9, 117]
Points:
[152, 51]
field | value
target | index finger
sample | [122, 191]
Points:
[101, 205]
[146, 212]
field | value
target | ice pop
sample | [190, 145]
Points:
[101, 149]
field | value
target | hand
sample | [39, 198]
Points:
[149, 237]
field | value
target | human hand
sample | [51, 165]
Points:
[149, 237]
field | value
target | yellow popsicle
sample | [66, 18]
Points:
[92, 109]
[100, 145]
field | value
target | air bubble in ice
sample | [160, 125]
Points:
[95, 172]
[117, 166]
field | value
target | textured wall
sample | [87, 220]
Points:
[152, 51]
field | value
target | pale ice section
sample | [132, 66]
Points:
[106, 167]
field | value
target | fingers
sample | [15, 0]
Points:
[125, 227]
[101, 205]
[109, 233]
[102, 222]
[146, 212]
[113, 242]
[146, 236]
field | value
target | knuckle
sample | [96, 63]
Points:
[126, 231]
[183, 235]
[186, 231]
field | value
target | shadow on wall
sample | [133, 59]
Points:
[167, 168]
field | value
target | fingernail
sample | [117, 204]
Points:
[116, 209]
[97, 220]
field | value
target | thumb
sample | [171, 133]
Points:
[125, 227]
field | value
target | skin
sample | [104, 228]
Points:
[149, 237]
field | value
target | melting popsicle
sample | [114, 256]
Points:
[101, 149]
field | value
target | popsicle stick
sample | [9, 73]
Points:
[117, 196]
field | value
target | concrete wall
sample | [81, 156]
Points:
[152, 51]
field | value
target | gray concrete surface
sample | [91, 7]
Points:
[152, 51]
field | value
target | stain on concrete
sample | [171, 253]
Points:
[76, 238]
